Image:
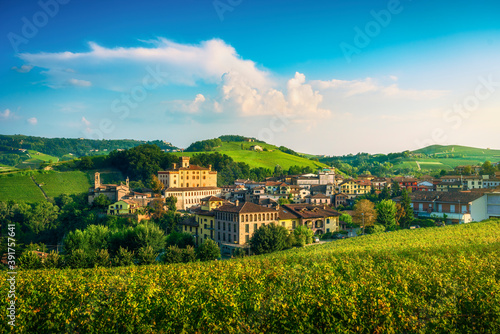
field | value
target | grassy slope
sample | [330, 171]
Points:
[414, 281]
[19, 188]
[41, 156]
[55, 184]
[261, 159]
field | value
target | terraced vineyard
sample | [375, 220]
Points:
[436, 280]
[19, 188]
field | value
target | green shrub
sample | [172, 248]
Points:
[101, 258]
[77, 259]
[123, 257]
[146, 255]
[29, 260]
[208, 251]
[53, 260]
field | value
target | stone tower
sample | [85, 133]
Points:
[97, 180]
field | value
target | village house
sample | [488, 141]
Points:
[122, 207]
[113, 192]
[352, 188]
[319, 218]
[456, 207]
[318, 199]
[408, 183]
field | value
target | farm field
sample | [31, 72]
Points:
[58, 183]
[19, 188]
[41, 156]
[255, 159]
[434, 280]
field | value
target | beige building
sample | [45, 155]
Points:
[188, 176]
[188, 197]
[236, 223]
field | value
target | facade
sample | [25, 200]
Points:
[188, 176]
[319, 218]
[353, 188]
[189, 197]
[114, 192]
[236, 223]
[447, 186]
[457, 207]
[318, 199]
[123, 207]
[408, 183]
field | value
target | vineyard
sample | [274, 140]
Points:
[435, 280]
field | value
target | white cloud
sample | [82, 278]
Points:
[298, 102]
[79, 83]
[22, 69]
[85, 121]
[6, 114]
[32, 121]
[350, 88]
[177, 63]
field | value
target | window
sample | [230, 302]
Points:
[452, 208]
[255, 227]
[464, 208]
[421, 207]
[229, 227]
[247, 238]
[224, 226]
[440, 207]
[247, 228]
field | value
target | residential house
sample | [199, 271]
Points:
[455, 207]
[122, 207]
[446, 186]
[318, 199]
[319, 218]
[353, 188]
[408, 183]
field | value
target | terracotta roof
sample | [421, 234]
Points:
[319, 196]
[449, 197]
[311, 211]
[212, 199]
[191, 189]
[246, 207]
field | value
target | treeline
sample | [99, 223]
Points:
[204, 145]
[141, 162]
[62, 146]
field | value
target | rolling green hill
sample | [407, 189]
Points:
[240, 151]
[463, 154]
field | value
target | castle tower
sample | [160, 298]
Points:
[128, 182]
[184, 162]
[97, 180]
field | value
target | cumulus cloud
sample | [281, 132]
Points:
[183, 64]
[298, 101]
[22, 69]
[79, 83]
[6, 114]
[32, 121]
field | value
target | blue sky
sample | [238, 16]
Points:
[323, 77]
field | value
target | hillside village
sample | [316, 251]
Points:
[230, 214]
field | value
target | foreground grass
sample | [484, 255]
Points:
[439, 280]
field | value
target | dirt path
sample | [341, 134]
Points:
[40, 187]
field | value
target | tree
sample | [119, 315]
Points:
[102, 202]
[156, 185]
[408, 217]
[395, 189]
[386, 214]
[146, 255]
[364, 213]
[385, 193]
[171, 202]
[208, 251]
[157, 209]
[487, 168]
[283, 200]
[86, 163]
[467, 170]
[346, 218]
[268, 238]
[303, 235]
[123, 257]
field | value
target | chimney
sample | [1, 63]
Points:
[209, 167]
[174, 165]
[237, 203]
